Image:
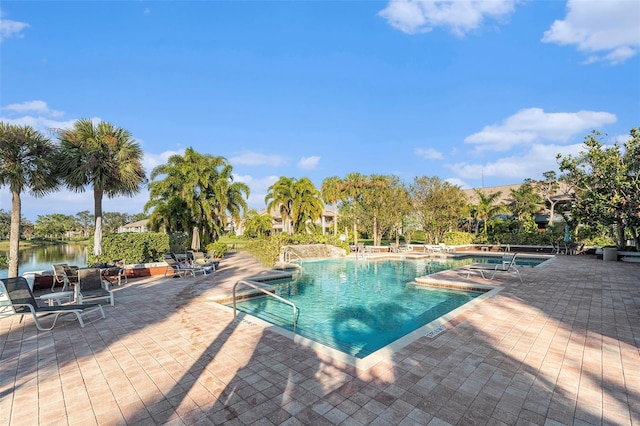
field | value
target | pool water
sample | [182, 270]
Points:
[358, 307]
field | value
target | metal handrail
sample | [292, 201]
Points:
[268, 293]
[287, 255]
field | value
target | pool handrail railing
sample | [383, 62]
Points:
[256, 286]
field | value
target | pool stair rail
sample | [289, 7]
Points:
[288, 254]
[256, 286]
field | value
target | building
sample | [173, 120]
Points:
[139, 226]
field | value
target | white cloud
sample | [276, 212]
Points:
[151, 161]
[39, 107]
[258, 189]
[460, 17]
[608, 28]
[537, 160]
[9, 28]
[534, 125]
[458, 182]
[250, 158]
[308, 163]
[44, 125]
[429, 153]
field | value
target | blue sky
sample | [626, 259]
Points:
[474, 92]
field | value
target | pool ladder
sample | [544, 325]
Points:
[268, 293]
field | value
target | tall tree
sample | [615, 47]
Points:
[85, 221]
[307, 205]
[298, 201]
[606, 179]
[439, 205]
[26, 164]
[487, 207]
[331, 189]
[280, 197]
[196, 191]
[353, 188]
[256, 225]
[524, 202]
[383, 204]
[104, 157]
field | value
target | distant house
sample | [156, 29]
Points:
[139, 226]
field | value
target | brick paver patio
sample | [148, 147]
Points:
[562, 348]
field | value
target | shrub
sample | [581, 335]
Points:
[133, 247]
[457, 238]
[217, 249]
[267, 249]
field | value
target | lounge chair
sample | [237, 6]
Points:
[65, 275]
[19, 300]
[91, 286]
[180, 269]
[508, 265]
[199, 259]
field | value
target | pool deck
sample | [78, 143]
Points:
[560, 348]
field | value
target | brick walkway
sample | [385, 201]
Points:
[562, 348]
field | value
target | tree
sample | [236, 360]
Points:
[256, 225]
[104, 157]
[196, 191]
[85, 221]
[298, 201]
[113, 220]
[27, 163]
[280, 197]
[331, 189]
[352, 191]
[383, 203]
[438, 204]
[486, 208]
[606, 180]
[524, 202]
[307, 205]
[54, 226]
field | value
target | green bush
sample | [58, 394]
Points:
[133, 247]
[4, 262]
[217, 249]
[457, 238]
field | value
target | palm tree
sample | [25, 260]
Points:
[197, 192]
[487, 207]
[307, 204]
[26, 163]
[525, 202]
[353, 188]
[280, 196]
[102, 156]
[332, 193]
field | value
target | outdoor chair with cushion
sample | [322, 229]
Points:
[181, 269]
[91, 286]
[16, 298]
[508, 265]
[199, 259]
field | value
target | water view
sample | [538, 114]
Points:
[40, 258]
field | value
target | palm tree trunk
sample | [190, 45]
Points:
[97, 234]
[14, 235]
[335, 220]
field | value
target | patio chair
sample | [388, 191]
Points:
[199, 259]
[65, 275]
[508, 265]
[19, 300]
[116, 273]
[91, 286]
[180, 269]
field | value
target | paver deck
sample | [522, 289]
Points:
[560, 348]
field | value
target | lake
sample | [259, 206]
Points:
[39, 258]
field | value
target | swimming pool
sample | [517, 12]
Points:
[358, 307]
